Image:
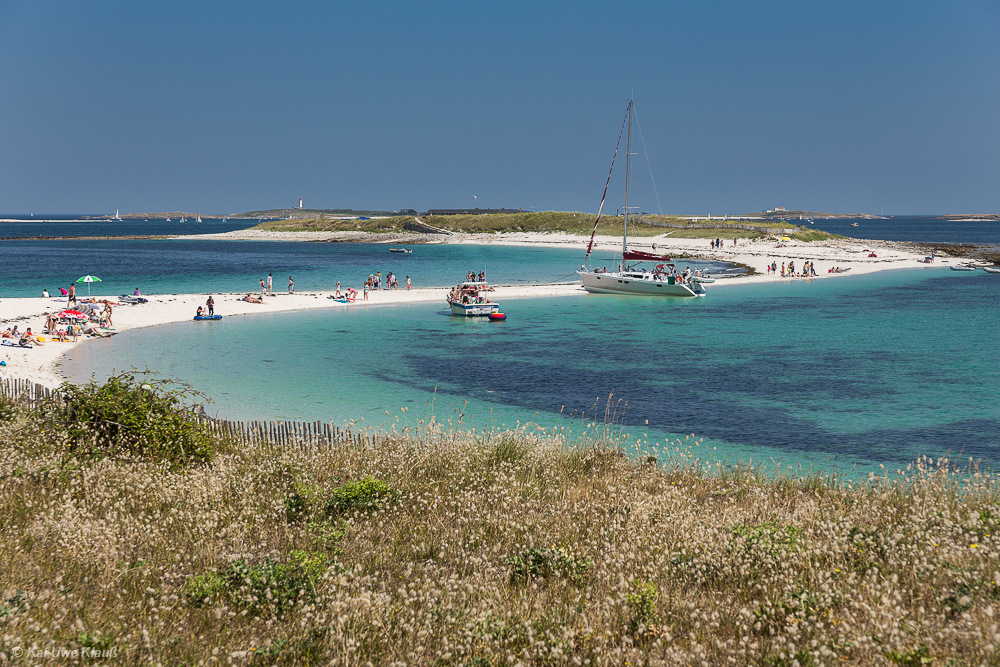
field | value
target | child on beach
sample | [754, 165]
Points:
[407, 282]
[291, 285]
[337, 295]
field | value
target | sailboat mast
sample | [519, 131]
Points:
[628, 156]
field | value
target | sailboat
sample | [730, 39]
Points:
[631, 278]
[117, 216]
[199, 219]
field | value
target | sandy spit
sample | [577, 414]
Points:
[42, 364]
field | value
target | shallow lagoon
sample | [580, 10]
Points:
[857, 370]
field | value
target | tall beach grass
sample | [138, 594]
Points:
[455, 547]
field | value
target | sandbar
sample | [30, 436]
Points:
[42, 364]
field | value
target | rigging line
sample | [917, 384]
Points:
[590, 246]
[648, 165]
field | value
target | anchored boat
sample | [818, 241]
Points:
[631, 277]
[472, 299]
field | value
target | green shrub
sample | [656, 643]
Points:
[308, 649]
[146, 419]
[770, 537]
[642, 605]
[509, 449]
[363, 495]
[545, 563]
[272, 585]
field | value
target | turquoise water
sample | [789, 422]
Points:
[193, 266]
[863, 370]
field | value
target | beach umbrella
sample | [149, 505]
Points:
[88, 280]
[72, 314]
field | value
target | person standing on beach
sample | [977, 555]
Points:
[72, 294]
[366, 291]
[211, 305]
[338, 289]
[407, 282]
[291, 285]
[269, 283]
[262, 288]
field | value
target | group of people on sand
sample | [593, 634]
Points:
[347, 296]
[23, 338]
[267, 285]
[54, 329]
[209, 308]
[374, 281]
[716, 244]
[808, 269]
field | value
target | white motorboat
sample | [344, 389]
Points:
[631, 277]
[472, 299]
[991, 269]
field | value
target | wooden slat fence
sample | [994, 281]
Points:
[278, 434]
[25, 392]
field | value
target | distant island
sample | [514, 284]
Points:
[776, 214]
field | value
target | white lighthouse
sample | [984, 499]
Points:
[300, 202]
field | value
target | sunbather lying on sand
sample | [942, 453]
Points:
[252, 299]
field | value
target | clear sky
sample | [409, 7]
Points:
[222, 107]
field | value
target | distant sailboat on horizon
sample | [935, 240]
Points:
[117, 216]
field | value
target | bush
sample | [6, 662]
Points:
[125, 416]
[642, 603]
[272, 585]
[545, 563]
[364, 495]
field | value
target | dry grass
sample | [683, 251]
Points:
[580, 224]
[456, 548]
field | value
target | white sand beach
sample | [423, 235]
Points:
[42, 364]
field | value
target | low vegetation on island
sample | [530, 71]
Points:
[580, 224]
[130, 527]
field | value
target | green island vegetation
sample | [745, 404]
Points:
[130, 526]
[580, 224]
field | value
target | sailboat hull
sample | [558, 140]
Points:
[637, 283]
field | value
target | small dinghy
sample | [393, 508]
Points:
[991, 269]
[403, 250]
[497, 317]
[963, 268]
[208, 317]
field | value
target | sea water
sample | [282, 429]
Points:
[919, 229]
[200, 266]
[71, 226]
[852, 371]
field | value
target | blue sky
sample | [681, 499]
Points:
[221, 107]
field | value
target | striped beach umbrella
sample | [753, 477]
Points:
[88, 279]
